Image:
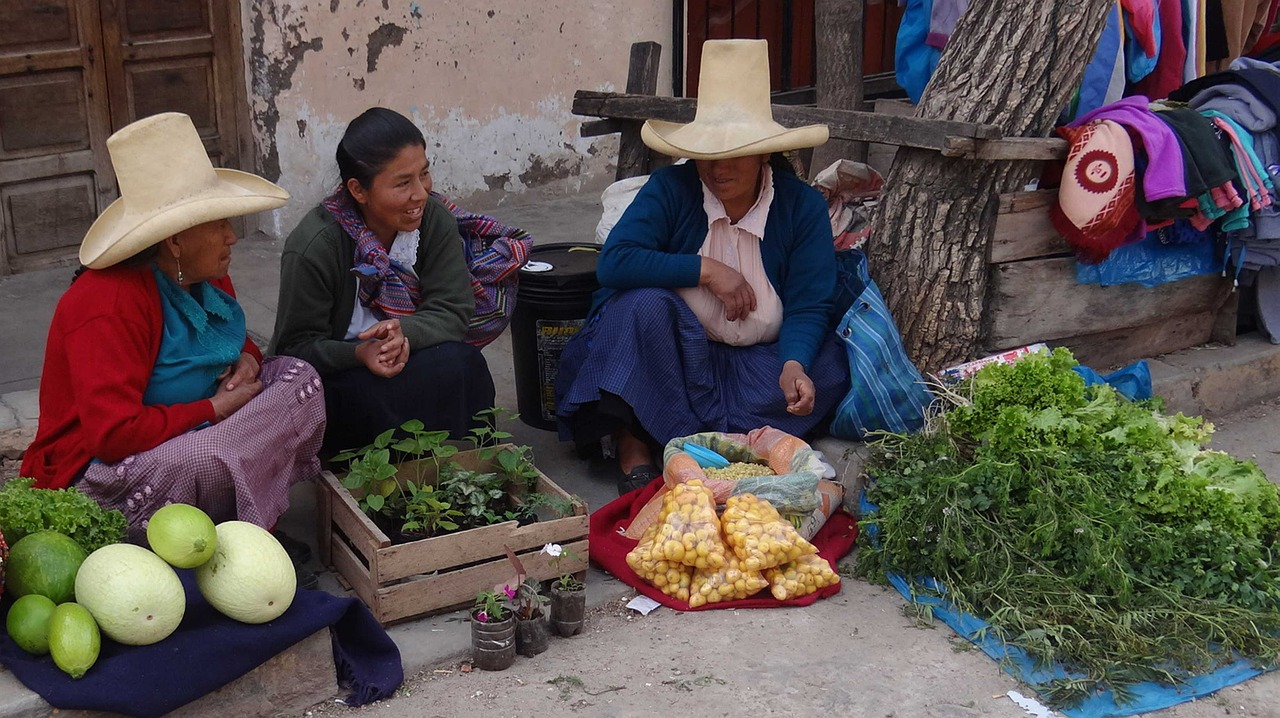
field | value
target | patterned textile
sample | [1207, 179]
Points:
[240, 468]
[647, 347]
[495, 253]
[386, 287]
[1095, 211]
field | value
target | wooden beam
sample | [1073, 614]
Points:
[839, 29]
[642, 79]
[596, 128]
[845, 124]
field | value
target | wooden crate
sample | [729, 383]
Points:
[1034, 297]
[432, 575]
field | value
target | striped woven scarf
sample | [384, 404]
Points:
[386, 288]
[495, 253]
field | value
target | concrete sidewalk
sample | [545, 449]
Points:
[1217, 380]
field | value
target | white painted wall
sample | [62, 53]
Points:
[490, 84]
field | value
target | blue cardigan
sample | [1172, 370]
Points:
[656, 243]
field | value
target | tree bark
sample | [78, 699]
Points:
[839, 83]
[1009, 63]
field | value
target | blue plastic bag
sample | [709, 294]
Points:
[1133, 382]
[1163, 256]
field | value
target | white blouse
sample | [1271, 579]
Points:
[738, 246]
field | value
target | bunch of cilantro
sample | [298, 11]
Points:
[1083, 527]
[26, 510]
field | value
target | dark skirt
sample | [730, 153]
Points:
[442, 386]
[643, 359]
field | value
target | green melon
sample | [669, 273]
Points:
[44, 563]
[28, 623]
[74, 641]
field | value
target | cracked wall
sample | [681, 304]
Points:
[490, 84]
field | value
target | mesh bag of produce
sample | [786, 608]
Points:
[688, 528]
[670, 577]
[769, 463]
[725, 584]
[801, 577]
[758, 534]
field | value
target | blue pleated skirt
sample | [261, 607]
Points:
[646, 347]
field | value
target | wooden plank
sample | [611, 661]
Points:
[1113, 349]
[458, 549]
[596, 128]
[1039, 299]
[355, 574]
[1023, 148]
[642, 79]
[347, 516]
[459, 588]
[839, 37]
[1225, 321]
[1023, 229]
[844, 124]
[42, 61]
[324, 521]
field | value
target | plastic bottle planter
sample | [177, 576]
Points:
[568, 611]
[532, 636]
[493, 644]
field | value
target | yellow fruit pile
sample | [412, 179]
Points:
[801, 577]
[726, 584]
[688, 528]
[671, 577]
[759, 536]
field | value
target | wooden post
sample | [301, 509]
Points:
[642, 79]
[839, 35]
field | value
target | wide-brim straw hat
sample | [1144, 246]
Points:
[167, 185]
[734, 118]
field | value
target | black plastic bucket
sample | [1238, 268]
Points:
[551, 305]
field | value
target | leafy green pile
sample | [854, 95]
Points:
[1085, 528]
[25, 510]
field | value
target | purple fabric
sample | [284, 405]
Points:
[240, 468]
[1165, 174]
[943, 17]
[647, 347]
[387, 288]
[209, 651]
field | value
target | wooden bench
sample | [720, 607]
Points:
[1033, 293]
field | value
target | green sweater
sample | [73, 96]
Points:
[318, 290]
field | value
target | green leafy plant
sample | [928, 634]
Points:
[425, 512]
[566, 583]
[480, 497]
[490, 605]
[25, 509]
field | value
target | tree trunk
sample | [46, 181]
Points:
[1009, 63]
[839, 41]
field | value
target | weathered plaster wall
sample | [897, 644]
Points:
[490, 83]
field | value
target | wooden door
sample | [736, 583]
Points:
[74, 71]
[54, 123]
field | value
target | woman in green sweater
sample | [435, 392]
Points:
[375, 293]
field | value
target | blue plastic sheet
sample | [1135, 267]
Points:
[1152, 262]
[1147, 696]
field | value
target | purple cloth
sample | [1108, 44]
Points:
[209, 651]
[647, 347]
[240, 468]
[1165, 174]
[943, 17]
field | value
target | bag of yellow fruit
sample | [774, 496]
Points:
[688, 529]
[672, 578]
[725, 584]
[758, 534]
[801, 577]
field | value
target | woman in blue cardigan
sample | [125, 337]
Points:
[716, 285]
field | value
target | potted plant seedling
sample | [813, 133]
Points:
[493, 631]
[568, 595]
[533, 634]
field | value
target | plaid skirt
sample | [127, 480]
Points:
[646, 347]
[240, 468]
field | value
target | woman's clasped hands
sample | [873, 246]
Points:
[383, 348]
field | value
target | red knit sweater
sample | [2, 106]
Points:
[102, 346]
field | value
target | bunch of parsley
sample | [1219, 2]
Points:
[26, 510]
[1083, 527]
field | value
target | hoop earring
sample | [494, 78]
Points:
[179, 262]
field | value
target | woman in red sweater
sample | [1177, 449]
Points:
[151, 391]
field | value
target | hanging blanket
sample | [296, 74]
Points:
[209, 651]
[495, 253]
[609, 550]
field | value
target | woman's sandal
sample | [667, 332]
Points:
[638, 478]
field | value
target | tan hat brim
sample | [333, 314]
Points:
[719, 142]
[116, 236]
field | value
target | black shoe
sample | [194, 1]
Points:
[307, 579]
[299, 552]
[638, 478]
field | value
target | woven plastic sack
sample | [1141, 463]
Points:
[796, 468]
[830, 498]
[672, 578]
[801, 577]
[725, 584]
[759, 536]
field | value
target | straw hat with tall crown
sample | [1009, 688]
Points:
[734, 118]
[167, 185]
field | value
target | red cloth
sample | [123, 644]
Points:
[102, 347]
[609, 551]
[1167, 75]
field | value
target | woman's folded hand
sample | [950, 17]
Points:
[227, 401]
[730, 287]
[797, 387]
